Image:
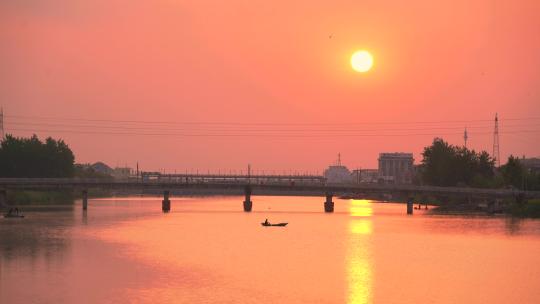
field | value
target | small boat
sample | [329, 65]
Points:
[277, 225]
[13, 215]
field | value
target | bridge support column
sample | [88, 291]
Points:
[248, 204]
[3, 198]
[521, 199]
[329, 204]
[84, 199]
[410, 206]
[166, 203]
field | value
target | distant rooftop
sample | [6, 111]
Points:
[531, 162]
[101, 167]
[396, 154]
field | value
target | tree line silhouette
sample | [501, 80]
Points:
[448, 165]
[30, 157]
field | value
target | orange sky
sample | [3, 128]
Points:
[246, 62]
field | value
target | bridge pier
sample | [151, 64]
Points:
[410, 206]
[85, 200]
[248, 204]
[166, 203]
[329, 204]
[521, 199]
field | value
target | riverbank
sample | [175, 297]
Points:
[40, 197]
[530, 209]
[45, 198]
[527, 209]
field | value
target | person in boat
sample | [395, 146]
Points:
[266, 222]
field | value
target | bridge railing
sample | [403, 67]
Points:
[100, 181]
[313, 185]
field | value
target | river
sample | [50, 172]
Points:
[207, 250]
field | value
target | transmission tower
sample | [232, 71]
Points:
[1, 124]
[496, 153]
[465, 137]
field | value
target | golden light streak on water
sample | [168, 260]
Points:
[360, 227]
[359, 264]
[361, 208]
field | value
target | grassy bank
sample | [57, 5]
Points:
[25, 197]
[40, 197]
[531, 209]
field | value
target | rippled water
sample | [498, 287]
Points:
[207, 250]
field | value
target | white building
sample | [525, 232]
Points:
[337, 173]
[122, 172]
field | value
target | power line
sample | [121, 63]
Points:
[39, 124]
[259, 123]
[260, 135]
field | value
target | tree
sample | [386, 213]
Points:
[447, 165]
[437, 164]
[513, 172]
[29, 157]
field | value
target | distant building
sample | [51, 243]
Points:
[122, 172]
[361, 176]
[102, 168]
[337, 173]
[531, 164]
[396, 168]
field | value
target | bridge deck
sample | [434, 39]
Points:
[285, 186]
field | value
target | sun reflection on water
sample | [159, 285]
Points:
[361, 208]
[360, 227]
[359, 264]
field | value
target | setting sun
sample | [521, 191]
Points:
[361, 61]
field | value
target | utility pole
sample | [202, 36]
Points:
[496, 153]
[249, 174]
[1, 124]
[465, 137]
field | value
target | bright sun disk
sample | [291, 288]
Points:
[361, 61]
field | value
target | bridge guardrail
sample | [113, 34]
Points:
[86, 182]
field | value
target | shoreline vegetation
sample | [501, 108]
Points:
[526, 209]
[31, 197]
[529, 209]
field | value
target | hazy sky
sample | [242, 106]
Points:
[275, 76]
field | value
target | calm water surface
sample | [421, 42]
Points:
[206, 250]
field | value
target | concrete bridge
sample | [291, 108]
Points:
[260, 185]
